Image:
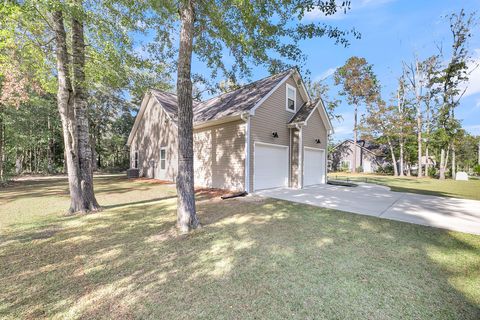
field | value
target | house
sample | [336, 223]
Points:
[370, 157]
[266, 134]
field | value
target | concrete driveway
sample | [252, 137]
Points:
[374, 200]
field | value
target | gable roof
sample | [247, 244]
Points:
[303, 113]
[234, 103]
[228, 104]
[306, 110]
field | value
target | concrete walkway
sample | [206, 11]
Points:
[374, 200]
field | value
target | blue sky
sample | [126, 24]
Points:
[392, 32]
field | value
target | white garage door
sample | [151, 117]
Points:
[314, 166]
[270, 166]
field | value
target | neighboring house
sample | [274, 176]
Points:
[263, 135]
[369, 157]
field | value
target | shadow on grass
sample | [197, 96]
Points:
[255, 258]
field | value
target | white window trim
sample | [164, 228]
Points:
[294, 98]
[160, 157]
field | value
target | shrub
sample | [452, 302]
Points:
[476, 169]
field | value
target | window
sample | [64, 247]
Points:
[163, 157]
[291, 98]
[135, 160]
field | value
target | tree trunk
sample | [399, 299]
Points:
[427, 163]
[80, 105]
[186, 212]
[442, 164]
[18, 162]
[454, 163]
[394, 160]
[355, 138]
[50, 149]
[401, 173]
[419, 142]
[67, 115]
[2, 135]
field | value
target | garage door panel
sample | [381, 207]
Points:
[270, 166]
[314, 166]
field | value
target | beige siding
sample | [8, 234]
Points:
[315, 129]
[269, 117]
[365, 159]
[294, 158]
[155, 131]
[219, 156]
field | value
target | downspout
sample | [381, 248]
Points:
[290, 152]
[329, 132]
[300, 158]
[246, 117]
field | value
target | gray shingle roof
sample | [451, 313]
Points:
[303, 113]
[228, 104]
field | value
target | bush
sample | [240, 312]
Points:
[432, 172]
[476, 169]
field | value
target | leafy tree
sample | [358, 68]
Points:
[320, 90]
[359, 85]
[451, 80]
[380, 123]
[93, 45]
[253, 33]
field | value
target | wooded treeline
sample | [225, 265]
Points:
[72, 72]
[32, 141]
[84, 58]
[417, 124]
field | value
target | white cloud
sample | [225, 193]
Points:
[343, 127]
[473, 129]
[474, 78]
[316, 14]
[325, 74]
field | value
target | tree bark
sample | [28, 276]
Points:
[454, 163]
[186, 212]
[80, 106]
[401, 169]
[394, 160]
[419, 141]
[427, 163]
[355, 137]
[18, 162]
[443, 163]
[2, 138]
[67, 114]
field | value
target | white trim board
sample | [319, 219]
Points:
[259, 103]
[288, 86]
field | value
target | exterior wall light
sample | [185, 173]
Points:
[317, 141]
[275, 134]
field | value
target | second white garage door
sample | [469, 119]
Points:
[270, 166]
[314, 166]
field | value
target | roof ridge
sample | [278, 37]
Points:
[248, 84]
[239, 88]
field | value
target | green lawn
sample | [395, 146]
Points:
[253, 259]
[446, 188]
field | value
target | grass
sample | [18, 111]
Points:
[253, 259]
[429, 186]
